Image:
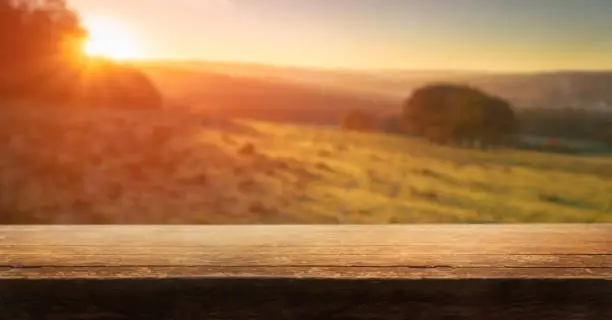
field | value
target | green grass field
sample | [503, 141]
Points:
[377, 178]
[206, 173]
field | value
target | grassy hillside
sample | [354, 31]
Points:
[171, 166]
[572, 105]
[369, 178]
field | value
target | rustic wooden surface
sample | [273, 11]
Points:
[417, 251]
[307, 272]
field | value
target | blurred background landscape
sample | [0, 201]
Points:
[291, 112]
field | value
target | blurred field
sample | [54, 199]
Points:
[374, 178]
[170, 167]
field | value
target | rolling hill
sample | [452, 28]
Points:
[588, 90]
[255, 96]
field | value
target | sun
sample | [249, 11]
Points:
[110, 39]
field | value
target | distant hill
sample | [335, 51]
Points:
[553, 89]
[261, 96]
[321, 95]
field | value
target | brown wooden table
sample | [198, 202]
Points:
[307, 272]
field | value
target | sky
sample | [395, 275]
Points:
[486, 35]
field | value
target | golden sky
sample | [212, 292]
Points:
[508, 35]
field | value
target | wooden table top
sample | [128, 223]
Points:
[287, 251]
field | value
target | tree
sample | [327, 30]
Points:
[392, 123]
[35, 36]
[358, 120]
[446, 113]
[41, 59]
[606, 136]
[500, 122]
[109, 84]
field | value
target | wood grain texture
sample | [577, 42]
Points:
[302, 272]
[415, 251]
[501, 272]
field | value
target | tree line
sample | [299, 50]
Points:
[569, 123]
[458, 114]
[448, 114]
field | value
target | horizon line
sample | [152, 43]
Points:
[361, 70]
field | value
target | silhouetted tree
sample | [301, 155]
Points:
[495, 126]
[358, 120]
[606, 136]
[36, 37]
[392, 123]
[107, 83]
[569, 123]
[41, 59]
[446, 113]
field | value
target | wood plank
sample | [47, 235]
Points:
[371, 256]
[306, 272]
[302, 272]
[527, 239]
[273, 250]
